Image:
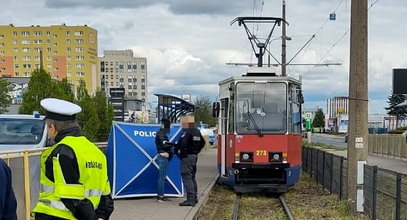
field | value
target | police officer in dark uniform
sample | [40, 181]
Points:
[8, 203]
[188, 147]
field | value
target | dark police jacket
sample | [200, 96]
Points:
[8, 203]
[162, 143]
[191, 142]
[82, 209]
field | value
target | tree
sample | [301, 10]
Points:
[66, 90]
[106, 115]
[204, 112]
[40, 86]
[5, 99]
[87, 119]
[393, 101]
[319, 119]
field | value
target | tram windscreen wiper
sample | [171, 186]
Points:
[255, 124]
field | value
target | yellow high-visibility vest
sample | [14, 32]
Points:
[93, 180]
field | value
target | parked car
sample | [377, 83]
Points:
[18, 132]
[205, 131]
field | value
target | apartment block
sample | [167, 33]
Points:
[67, 52]
[120, 69]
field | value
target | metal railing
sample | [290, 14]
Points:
[25, 170]
[385, 191]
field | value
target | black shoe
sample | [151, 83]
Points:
[187, 203]
[163, 199]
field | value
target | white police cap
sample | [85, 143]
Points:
[60, 110]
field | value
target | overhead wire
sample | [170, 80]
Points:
[340, 38]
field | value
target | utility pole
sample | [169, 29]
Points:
[283, 44]
[358, 104]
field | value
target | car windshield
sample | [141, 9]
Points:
[21, 131]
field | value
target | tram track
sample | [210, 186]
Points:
[237, 207]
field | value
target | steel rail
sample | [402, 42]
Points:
[286, 208]
[235, 214]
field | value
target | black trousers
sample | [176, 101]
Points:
[188, 171]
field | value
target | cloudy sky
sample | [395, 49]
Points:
[187, 43]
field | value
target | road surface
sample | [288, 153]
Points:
[335, 140]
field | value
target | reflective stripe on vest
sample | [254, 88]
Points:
[54, 204]
[88, 192]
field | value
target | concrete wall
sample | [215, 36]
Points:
[391, 145]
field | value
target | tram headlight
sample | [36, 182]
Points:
[246, 156]
[275, 156]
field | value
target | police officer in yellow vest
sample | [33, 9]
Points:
[74, 182]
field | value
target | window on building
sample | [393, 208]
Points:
[55, 35]
[68, 49]
[15, 58]
[38, 41]
[14, 41]
[111, 76]
[48, 58]
[142, 66]
[25, 50]
[111, 84]
[2, 52]
[15, 50]
[56, 68]
[143, 94]
[25, 42]
[27, 66]
[80, 66]
[79, 49]
[48, 49]
[1, 44]
[135, 80]
[69, 74]
[80, 74]
[48, 41]
[17, 74]
[68, 41]
[37, 49]
[1, 36]
[26, 58]
[37, 33]
[78, 33]
[48, 33]
[14, 33]
[27, 74]
[56, 44]
[37, 58]
[37, 66]
[130, 87]
[49, 66]
[15, 66]
[69, 58]
[69, 66]
[79, 41]
[68, 33]
[25, 33]
[80, 57]
[143, 87]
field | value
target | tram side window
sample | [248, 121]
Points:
[231, 115]
[295, 110]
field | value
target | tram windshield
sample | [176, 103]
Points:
[261, 108]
